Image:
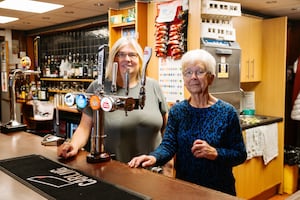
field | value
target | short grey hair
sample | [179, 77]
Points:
[190, 58]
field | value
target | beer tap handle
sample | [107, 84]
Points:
[127, 82]
[146, 59]
[114, 78]
[101, 67]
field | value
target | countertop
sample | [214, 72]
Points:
[263, 120]
[156, 186]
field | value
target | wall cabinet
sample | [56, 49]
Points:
[249, 37]
[131, 20]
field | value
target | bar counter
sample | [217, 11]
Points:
[154, 185]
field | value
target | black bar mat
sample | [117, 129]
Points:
[54, 180]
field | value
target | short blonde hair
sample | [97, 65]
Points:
[121, 42]
[190, 58]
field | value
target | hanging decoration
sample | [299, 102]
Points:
[170, 29]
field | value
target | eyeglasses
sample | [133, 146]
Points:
[189, 73]
[123, 55]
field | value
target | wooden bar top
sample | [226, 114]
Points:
[143, 181]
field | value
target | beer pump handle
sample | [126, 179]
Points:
[127, 82]
[114, 78]
[101, 67]
[146, 59]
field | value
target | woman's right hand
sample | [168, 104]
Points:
[66, 150]
[143, 161]
[80, 137]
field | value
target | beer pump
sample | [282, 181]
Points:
[101, 102]
[13, 124]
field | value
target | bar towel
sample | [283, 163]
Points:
[254, 142]
[270, 133]
[262, 141]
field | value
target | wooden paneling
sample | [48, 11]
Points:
[30, 51]
[152, 70]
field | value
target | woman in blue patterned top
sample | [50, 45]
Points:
[203, 132]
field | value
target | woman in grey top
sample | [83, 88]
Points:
[127, 136]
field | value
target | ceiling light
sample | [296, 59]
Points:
[29, 6]
[4, 19]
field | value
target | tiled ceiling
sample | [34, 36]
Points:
[74, 10]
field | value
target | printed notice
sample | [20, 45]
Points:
[170, 79]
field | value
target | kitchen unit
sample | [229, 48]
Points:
[268, 102]
[248, 34]
[247, 184]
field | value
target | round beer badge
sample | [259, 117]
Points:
[95, 102]
[81, 101]
[69, 99]
[107, 104]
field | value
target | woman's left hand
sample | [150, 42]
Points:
[201, 149]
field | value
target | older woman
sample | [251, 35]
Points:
[140, 131]
[203, 132]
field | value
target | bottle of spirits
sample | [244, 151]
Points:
[85, 66]
[70, 61]
[52, 65]
[43, 93]
[80, 65]
[95, 68]
[33, 90]
[74, 69]
[77, 66]
[90, 67]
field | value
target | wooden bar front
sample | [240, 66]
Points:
[156, 186]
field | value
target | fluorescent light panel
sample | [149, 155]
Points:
[29, 6]
[4, 19]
